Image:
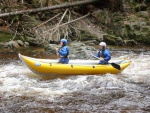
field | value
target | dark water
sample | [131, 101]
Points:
[23, 91]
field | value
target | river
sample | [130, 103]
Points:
[22, 91]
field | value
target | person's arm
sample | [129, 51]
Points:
[107, 56]
[63, 51]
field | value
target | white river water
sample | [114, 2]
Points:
[128, 92]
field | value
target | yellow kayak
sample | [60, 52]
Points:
[74, 67]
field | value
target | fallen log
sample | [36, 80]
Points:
[66, 5]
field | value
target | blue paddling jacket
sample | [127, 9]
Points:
[104, 54]
[64, 52]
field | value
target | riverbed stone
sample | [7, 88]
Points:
[26, 43]
[12, 44]
[91, 42]
[20, 42]
[79, 50]
[2, 45]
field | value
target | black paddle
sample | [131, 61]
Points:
[113, 64]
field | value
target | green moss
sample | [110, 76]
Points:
[113, 40]
[87, 36]
[124, 32]
[5, 36]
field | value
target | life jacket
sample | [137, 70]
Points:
[101, 53]
[66, 56]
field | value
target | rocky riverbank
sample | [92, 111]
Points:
[128, 28]
[78, 50]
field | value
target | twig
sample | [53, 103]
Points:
[60, 20]
[15, 32]
[68, 22]
[47, 21]
[57, 26]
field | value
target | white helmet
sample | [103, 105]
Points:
[102, 44]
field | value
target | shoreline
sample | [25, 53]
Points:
[39, 52]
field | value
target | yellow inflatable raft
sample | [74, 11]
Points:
[74, 67]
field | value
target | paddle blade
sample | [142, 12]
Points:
[116, 66]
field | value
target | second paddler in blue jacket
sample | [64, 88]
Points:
[103, 54]
[63, 52]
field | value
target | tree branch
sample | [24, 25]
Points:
[68, 22]
[49, 8]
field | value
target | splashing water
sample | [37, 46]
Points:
[23, 91]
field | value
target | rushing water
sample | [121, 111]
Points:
[128, 92]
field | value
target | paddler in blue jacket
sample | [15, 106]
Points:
[103, 54]
[63, 52]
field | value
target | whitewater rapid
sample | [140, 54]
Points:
[23, 91]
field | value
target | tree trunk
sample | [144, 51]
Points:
[49, 8]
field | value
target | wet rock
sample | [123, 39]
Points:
[20, 43]
[86, 36]
[91, 42]
[26, 43]
[78, 50]
[50, 48]
[136, 30]
[2, 45]
[12, 44]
